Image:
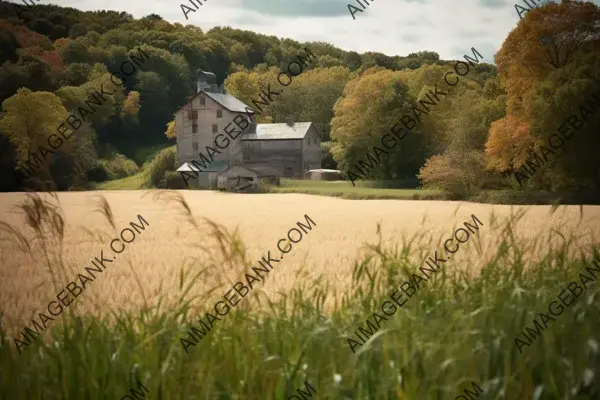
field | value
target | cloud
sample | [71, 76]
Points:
[399, 27]
[294, 8]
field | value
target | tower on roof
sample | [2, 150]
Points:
[206, 81]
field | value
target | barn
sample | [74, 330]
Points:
[209, 120]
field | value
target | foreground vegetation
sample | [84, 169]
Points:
[459, 328]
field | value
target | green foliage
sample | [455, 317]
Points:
[26, 127]
[164, 161]
[76, 74]
[503, 112]
[361, 121]
[118, 167]
[8, 46]
[459, 327]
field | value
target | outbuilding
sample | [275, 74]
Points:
[246, 176]
[207, 177]
[324, 175]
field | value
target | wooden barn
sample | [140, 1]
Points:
[290, 148]
[287, 149]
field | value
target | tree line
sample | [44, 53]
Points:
[478, 137]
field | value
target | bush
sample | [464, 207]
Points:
[161, 163]
[117, 167]
[459, 174]
[173, 180]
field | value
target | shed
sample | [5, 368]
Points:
[242, 176]
[205, 177]
[324, 175]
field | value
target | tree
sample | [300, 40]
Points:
[171, 132]
[8, 46]
[542, 66]
[352, 60]
[361, 120]
[76, 74]
[27, 128]
[131, 106]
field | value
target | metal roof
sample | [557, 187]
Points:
[215, 166]
[210, 77]
[324, 170]
[229, 102]
[279, 131]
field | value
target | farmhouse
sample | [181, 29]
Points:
[215, 133]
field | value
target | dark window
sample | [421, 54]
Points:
[193, 114]
[215, 128]
[219, 113]
[202, 101]
[194, 128]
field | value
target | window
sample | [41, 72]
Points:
[288, 168]
[309, 141]
[202, 101]
[194, 128]
[195, 146]
[219, 113]
[215, 128]
[193, 114]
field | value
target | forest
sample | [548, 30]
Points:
[483, 135]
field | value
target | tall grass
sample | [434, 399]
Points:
[459, 328]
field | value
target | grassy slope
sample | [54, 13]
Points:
[455, 330]
[133, 182]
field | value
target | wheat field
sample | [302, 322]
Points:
[151, 265]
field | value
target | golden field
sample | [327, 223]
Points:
[151, 265]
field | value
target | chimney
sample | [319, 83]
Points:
[289, 120]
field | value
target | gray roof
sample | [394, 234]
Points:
[279, 131]
[227, 101]
[215, 166]
[324, 170]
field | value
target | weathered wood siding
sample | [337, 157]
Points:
[278, 154]
[311, 150]
[207, 116]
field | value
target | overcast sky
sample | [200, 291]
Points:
[393, 27]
